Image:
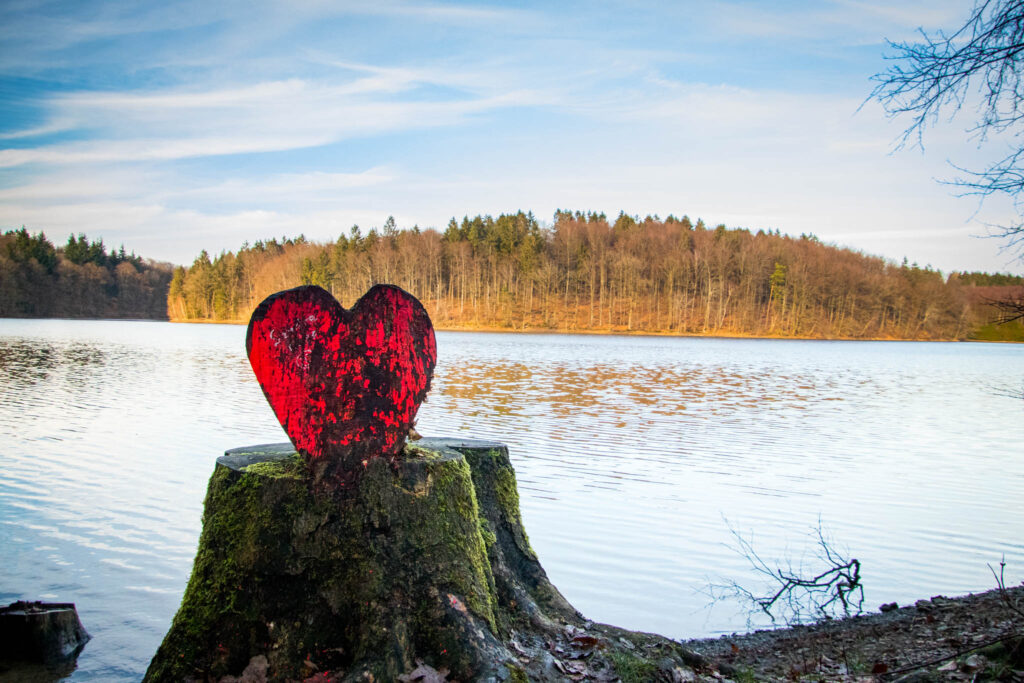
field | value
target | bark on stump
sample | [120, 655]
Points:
[420, 567]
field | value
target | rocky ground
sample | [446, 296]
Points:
[969, 638]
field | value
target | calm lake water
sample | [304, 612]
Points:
[634, 456]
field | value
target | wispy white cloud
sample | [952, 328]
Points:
[903, 17]
[40, 35]
[182, 146]
[166, 216]
[160, 188]
[759, 158]
[55, 126]
[836, 22]
[178, 235]
[446, 13]
[291, 188]
[266, 117]
[151, 149]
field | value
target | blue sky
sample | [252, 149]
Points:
[179, 126]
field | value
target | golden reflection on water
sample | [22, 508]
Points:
[605, 389]
[629, 453]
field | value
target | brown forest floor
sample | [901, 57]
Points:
[970, 638]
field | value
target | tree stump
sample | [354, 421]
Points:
[41, 631]
[421, 569]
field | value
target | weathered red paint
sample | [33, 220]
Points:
[343, 383]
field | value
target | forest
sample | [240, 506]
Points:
[79, 280]
[587, 273]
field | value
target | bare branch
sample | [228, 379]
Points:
[795, 595]
[1010, 309]
[982, 62]
[1011, 604]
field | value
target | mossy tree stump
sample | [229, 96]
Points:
[423, 564]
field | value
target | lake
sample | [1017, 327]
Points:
[635, 456]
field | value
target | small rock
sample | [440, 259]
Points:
[682, 675]
[918, 677]
[424, 673]
[972, 664]
[255, 672]
[585, 642]
[889, 607]
[547, 663]
[514, 644]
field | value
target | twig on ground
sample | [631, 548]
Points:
[1011, 604]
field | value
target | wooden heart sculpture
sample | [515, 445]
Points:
[345, 384]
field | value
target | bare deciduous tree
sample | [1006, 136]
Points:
[979, 65]
[1010, 308]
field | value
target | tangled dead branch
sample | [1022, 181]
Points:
[796, 594]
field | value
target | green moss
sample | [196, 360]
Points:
[222, 578]
[507, 494]
[293, 467]
[745, 675]
[454, 527]
[486, 533]
[516, 674]
[414, 451]
[632, 669]
[1004, 658]
[426, 521]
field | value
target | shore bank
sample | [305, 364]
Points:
[967, 638]
[628, 333]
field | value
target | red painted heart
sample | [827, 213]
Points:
[345, 384]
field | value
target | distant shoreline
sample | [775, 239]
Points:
[638, 333]
[562, 331]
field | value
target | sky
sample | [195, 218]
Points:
[179, 126]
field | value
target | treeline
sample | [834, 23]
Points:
[989, 279]
[79, 280]
[588, 273]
